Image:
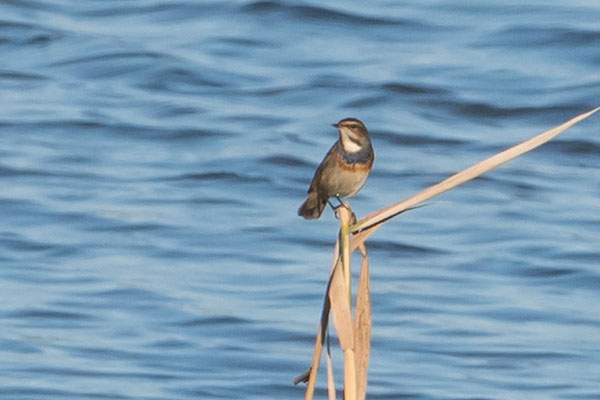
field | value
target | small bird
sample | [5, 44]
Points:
[343, 171]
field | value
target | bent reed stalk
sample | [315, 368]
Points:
[354, 334]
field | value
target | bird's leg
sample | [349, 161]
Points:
[342, 204]
[337, 196]
[331, 205]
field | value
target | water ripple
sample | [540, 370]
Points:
[154, 154]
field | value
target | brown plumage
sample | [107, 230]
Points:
[343, 171]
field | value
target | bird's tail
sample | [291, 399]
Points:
[313, 207]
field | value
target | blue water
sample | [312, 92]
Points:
[153, 155]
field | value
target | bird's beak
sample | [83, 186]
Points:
[334, 125]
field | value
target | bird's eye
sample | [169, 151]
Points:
[353, 126]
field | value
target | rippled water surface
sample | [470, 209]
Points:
[153, 155]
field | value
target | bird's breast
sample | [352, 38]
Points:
[357, 162]
[347, 178]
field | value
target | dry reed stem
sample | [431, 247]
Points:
[362, 326]
[330, 379]
[349, 375]
[344, 214]
[369, 224]
[340, 296]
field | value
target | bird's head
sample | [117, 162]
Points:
[353, 134]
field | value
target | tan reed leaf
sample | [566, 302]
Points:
[367, 225]
[342, 316]
[310, 376]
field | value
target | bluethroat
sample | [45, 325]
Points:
[343, 171]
